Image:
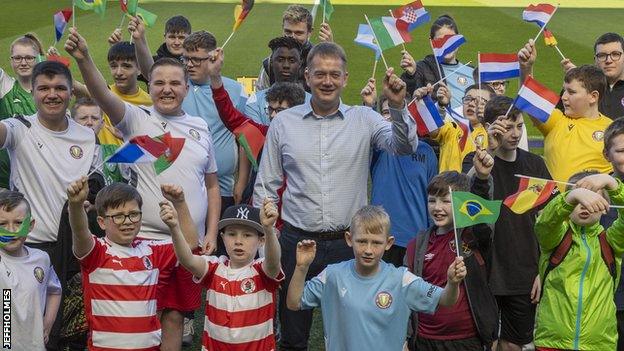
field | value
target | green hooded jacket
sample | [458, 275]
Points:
[577, 310]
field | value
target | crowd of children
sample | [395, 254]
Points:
[117, 256]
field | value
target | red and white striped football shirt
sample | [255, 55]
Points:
[119, 284]
[240, 305]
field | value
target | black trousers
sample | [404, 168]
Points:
[295, 325]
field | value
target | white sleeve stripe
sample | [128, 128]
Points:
[408, 278]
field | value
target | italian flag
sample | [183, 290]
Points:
[390, 32]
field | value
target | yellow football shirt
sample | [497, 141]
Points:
[140, 98]
[572, 145]
[449, 137]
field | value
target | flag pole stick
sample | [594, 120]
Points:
[123, 17]
[375, 67]
[99, 166]
[377, 42]
[544, 26]
[454, 226]
[449, 75]
[74, 13]
[436, 60]
[402, 44]
[543, 179]
[263, 186]
[479, 77]
[560, 53]
[228, 39]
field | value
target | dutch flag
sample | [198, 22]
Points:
[536, 100]
[539, 14]
[426, 115]
[498, 67]
[445, 45]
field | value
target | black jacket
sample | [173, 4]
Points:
[478, 239]
[426, 72]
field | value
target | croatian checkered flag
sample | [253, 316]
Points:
[413, 13]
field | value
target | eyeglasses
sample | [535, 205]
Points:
[121, 218]
[615, 56]
[196, 61]
[27, 58]
[498, 84]
[269, 110]
[468, 99]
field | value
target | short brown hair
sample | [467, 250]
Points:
[298, 14]
[440, 184]
[115, 195]
[615, 128]
[326, 49]
[83, 101]
[200, 40]
[370, 219]
[9, 200]
[590, 77]
[498, 106]
[168, 61]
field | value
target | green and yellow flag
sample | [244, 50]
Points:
[470, 209]
[98, 6]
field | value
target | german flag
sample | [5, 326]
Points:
[549, 38]
[241, 11]
[531, 193]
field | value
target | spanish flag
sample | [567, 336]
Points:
[531, 193]
[549, 38]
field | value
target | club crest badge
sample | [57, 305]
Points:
[383, 300]
[598, 135]
[76, 152]
[248, 286]
[194, 134]
[39, 275]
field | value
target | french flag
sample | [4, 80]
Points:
[536, 100]
[140, 149]
[445, 45]
[498, 67]
[539, 14]
[426, 115]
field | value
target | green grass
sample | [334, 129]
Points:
[575, 29]
[487, 29]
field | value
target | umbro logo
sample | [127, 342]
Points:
[164, 124]
[40, 145]
[343, 292]
[242, 213]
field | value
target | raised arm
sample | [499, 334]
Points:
[141, 48]
[306, 250]
[169, 214]
[273, 253]
[527, 56]
[82, 238]
[112, 105]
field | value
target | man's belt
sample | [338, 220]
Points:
[321, 236]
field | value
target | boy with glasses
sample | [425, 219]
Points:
[457, 140]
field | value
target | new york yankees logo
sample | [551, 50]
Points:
[242, 213]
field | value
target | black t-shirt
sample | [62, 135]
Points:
[515, 251]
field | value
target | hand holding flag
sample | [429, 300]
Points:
[369, 93]
[394, 90]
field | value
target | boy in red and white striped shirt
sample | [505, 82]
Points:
[120, 273]
[240, 301]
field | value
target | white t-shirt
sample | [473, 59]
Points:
[189, 170]
[6, 83]
[43, 164]
[30, 278]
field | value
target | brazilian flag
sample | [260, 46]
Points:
[470, 209]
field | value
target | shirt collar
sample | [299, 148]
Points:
[342, 110]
